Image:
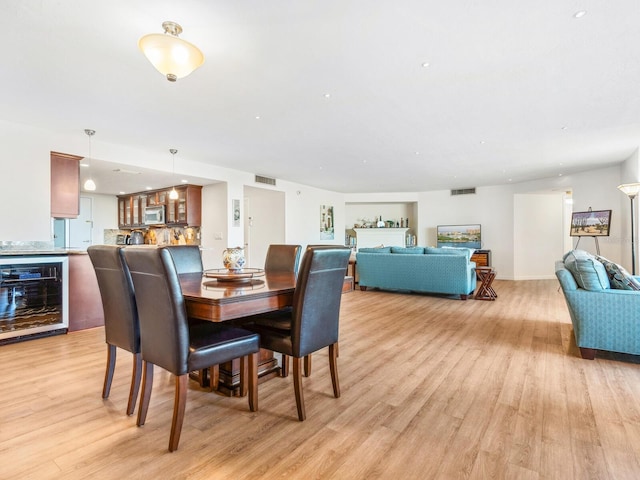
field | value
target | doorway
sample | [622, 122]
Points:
[264, 213]
[81, 228]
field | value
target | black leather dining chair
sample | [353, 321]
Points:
[170, 341]
[121, 326]
[313, 321]
[187, 258]
[284, 258]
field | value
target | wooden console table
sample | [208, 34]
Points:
[486, 275]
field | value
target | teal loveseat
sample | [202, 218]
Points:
[417, 269]
[603, 318]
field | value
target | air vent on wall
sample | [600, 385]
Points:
[463, 191]
[265, 180]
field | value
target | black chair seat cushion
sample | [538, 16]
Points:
[212, 343]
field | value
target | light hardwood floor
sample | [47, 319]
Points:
[431, 388]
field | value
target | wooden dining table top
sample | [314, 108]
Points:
[214, 300]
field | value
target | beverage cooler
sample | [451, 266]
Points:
[34, 297]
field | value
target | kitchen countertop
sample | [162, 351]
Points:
[31, 253]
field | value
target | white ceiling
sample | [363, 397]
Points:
[513, 91]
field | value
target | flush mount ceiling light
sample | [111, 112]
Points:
[89, 185]
[173, 57]
[173, 195]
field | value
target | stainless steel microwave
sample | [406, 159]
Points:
[154, 215]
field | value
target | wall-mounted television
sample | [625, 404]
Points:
[595, 223]
[459, 236]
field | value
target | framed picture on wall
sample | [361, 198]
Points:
[235, 211]
[326, 222]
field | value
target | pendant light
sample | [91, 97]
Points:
[173, 57]
[173, 195]
[89, 185]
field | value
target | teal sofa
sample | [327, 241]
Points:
[603, 318]
[417, 269]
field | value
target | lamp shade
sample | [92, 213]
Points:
[170, 55]
[90, 185]
[630, 189]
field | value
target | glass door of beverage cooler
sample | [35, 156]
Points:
[33, 297]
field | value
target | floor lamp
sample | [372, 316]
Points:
[631, 190]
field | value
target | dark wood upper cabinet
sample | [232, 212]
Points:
[65, 185]
[186, 210]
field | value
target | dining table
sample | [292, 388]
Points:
[217, 296]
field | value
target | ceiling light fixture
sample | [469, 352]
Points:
[173, 195]
[173, 57]
[89, 185]
[580, 14]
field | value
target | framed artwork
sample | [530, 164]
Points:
[594, 223]
[326, 222]
[235, 212]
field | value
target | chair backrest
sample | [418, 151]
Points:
[316, 301]
[164, 337]
[282, 258]
[121, 325]
[187, 258]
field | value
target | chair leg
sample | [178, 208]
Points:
[297, 386]
[333, 366]
[243, 376]
[182, 384]
[307, 365]
[214, 377]
[135, 382]
[108, 374]
[253, 382]
[147, 385]
[284, 369]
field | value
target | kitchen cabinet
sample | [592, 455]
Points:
[65, 185]
[186, 210]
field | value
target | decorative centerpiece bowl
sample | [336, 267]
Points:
[233, 259]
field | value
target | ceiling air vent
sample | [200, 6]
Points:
[265, 180]
[463, 191]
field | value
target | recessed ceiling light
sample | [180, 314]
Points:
[327, 95]
[580, 14]
[184, 180]
[148, 188]
[559, 174]
[257, 117]
[121, 193]
[84, 165]
[482, 142]
[417, 153]
[564, 127]
[425, 65]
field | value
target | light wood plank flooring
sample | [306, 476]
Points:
[431, 388]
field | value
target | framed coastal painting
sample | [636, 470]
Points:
[326, 222]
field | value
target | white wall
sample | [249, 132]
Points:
[26, 196]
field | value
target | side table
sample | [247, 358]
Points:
[486, 276]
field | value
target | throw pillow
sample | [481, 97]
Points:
[588, 272]
[618, 277]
